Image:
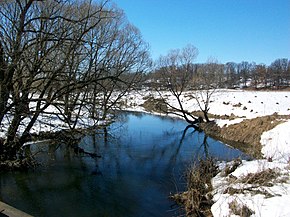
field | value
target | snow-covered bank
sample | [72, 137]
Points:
[238, 105]
[49, 121]
[265, 197]
[276, 143]
[258, 187]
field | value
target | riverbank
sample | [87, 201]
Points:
[256, 122]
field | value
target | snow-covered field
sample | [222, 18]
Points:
[243, 104]
[270, 200]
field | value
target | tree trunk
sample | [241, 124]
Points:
[206, 116]
[26, 134]
[4, 96]
[4, 93]
[11, 145]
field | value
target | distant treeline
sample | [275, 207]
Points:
[237, 75]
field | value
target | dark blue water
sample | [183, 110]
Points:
[144, 158]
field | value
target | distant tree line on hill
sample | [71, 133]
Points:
[232, 75]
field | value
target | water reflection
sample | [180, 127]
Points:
[143, 160]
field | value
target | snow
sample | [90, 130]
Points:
[261, 204]
[276, 143]
[243, 104]
[253, 103]
[226, 122]
[50, 122]
[258, 204]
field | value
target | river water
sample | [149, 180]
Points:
[144, 158]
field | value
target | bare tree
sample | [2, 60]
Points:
[206, 82]
[176, 70]
[4, 90]
[259, 76]
[278, 72]
[231, 75]
[244, 72]
[44, 59]
[127, 60]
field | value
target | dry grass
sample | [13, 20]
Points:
[254, 182]
[213, 116]
[155, 105]
[197, 199]
[231, 167]
[263, 178]
[240, 209]
[250, 184]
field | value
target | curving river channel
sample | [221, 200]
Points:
[143, 160]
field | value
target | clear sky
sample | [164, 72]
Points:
[228, 30]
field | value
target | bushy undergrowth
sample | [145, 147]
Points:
[197, 199]
[240, 209]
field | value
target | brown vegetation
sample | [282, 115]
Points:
[197, 199]
[240, 209]
[155, 105]
[214, 116]
[255, 183]
[245, 135]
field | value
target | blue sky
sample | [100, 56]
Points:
[228, 30]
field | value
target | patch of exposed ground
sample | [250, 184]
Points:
[152, 104]
[213, 116]
[245, 135]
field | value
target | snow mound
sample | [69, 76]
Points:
[276, 143]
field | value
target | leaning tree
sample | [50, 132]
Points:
[176, 70]
[178, 74]
[205, 82]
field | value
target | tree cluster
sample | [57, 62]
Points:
[245, 74]
[71, 55]
[232, 75]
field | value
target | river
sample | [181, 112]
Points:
[144, 158]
